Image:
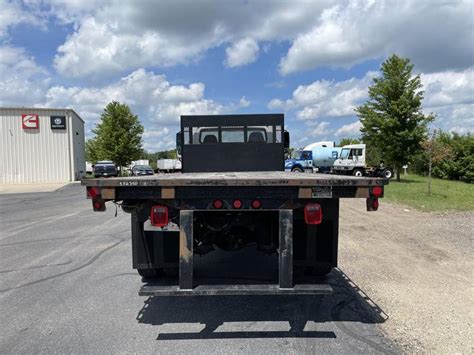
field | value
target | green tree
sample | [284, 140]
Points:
[393, 123]
[91, 151]
[118, 137]
[347, 141]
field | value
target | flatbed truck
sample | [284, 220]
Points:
[226, 199]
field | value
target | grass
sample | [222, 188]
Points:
[447, 195]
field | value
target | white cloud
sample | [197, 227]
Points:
[242, 52]
[114, 36]
[348, 34]
[158, 103]
[450, 95]
[324, 99]
[320, 129]
[12, 14]
[349, 130]
[22, 80]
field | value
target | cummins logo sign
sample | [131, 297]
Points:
[29, 121]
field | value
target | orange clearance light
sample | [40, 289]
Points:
[237, 204]
[313, 213]
[159, 216]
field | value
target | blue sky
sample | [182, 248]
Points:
[311, 60]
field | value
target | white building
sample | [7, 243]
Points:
[41, 145]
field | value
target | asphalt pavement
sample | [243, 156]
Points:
[67, 286]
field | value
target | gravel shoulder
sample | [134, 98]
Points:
[417, 267]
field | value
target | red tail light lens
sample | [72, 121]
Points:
[372, 204]
[256, 204]
[375, 204]
[217, 204]
[92, 192]
[377, 191]
[237, 204]
[313, 213]
[159, 216]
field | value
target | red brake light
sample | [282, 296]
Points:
[377, 191]
[92, 192]
[159, 216]
[256, 204]
[375, 204]
[237, 204]
[313, 213]
[217, 204]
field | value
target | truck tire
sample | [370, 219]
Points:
[358, 172]
[387, 173]
[297, 170]
[150, 273]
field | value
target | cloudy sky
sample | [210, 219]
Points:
[312, 60]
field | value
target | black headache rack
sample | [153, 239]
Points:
[187, 287]
[229, 143]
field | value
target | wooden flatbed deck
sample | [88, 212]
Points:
[264, 178]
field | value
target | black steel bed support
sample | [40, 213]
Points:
[285, 258]
[186, 249]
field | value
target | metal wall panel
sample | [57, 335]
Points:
[34, 155]
[78, 146]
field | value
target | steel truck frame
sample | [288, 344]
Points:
[226, 199]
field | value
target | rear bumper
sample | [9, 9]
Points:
[234, 290]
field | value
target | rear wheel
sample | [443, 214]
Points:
[150, 273]
[387, 173]
[358, 172]
[297, 170]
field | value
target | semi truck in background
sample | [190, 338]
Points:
[315, 157]
[233, 197]
[352, 162]
[325, 157]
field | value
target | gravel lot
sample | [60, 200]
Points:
[418, 267]
[67, 286]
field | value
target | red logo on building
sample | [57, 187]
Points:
[30, 121]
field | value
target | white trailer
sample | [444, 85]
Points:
[168, 165]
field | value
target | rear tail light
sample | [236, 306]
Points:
[98, 205]
[237, 204]
[377, 191]
[372, 204]
[92, 192]
[217, 204]
[159, 216]
[313, 213]
[256, 204]
[375, 204]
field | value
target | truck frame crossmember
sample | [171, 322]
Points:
[186, 285]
